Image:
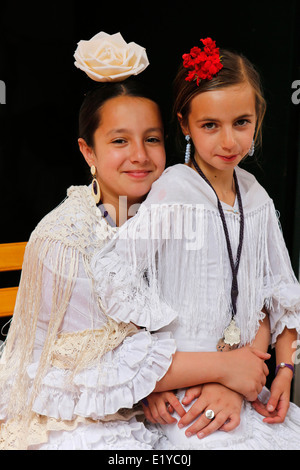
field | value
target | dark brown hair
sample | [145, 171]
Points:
[236, 69]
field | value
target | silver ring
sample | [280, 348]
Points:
[209, 414]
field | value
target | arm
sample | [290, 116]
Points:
[263, 336]
[278, 404]
[217, 397]
[192, 368]
[225, 402]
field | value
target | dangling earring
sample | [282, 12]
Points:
[252, 149]
[187, 149]
[96, 193]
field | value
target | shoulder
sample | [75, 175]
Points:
[75, 222]
[177, 185]
[72, 208]
[253, 193]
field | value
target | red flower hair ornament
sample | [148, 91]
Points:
[203, 64]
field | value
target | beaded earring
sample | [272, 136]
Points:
[96, 193]
[187, 149]
[252, 149]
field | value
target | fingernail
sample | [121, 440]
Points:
[180, 425]
[270, 407]
[200, 435]
[188, 434]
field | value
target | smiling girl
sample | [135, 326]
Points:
[69, 375]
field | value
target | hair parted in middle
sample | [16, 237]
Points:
[236, 69]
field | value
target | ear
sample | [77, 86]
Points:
[87, 152]
[184, 128]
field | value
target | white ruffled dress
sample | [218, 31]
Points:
[177, 239]
[95, 407]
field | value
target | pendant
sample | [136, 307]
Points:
[231, 339]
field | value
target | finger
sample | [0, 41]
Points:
[266, 370]
[273, 420]
[196, 409]
[273, 400]
[278, 416]
[231, 423]
[261, 354]
[148, 414]
[170, 408]
[176, 405]
[157, 412]
[191, 394]
[260, 408]
[202, 422]
[213, 425]
[164, 415]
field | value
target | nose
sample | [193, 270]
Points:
[139, 153]
[228, 140]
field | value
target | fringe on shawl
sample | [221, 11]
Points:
[18, 348]
[15, 387]
[172, 260]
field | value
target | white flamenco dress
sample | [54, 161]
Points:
[177, 242]
[71, 377]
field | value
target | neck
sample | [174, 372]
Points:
[221, 180]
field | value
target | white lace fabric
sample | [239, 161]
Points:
[65, 363]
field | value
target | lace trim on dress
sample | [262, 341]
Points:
[73, 351]
[38, 428]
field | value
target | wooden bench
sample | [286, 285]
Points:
[11, 259]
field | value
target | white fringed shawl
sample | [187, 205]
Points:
[171, 259]
[69, 234]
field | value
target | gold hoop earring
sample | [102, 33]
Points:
[96, 193]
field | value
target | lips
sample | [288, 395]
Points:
[228, 158]
[138, 174]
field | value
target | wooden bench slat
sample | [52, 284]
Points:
[11, 256]
[7, 301]
[11, 259]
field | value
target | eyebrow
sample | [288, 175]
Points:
[207, 118]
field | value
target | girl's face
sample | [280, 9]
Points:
[221, 124]
[128, 152]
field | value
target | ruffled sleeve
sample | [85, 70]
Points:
[126, 375]
[125, 270]
[282, 290]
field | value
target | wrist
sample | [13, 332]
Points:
[284, 369]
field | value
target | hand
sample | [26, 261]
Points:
[245, 371]
[160, 406]
[225, 403]
[278, 404]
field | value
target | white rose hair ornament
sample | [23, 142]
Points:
[108, 58]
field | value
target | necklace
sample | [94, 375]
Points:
[232, 335]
